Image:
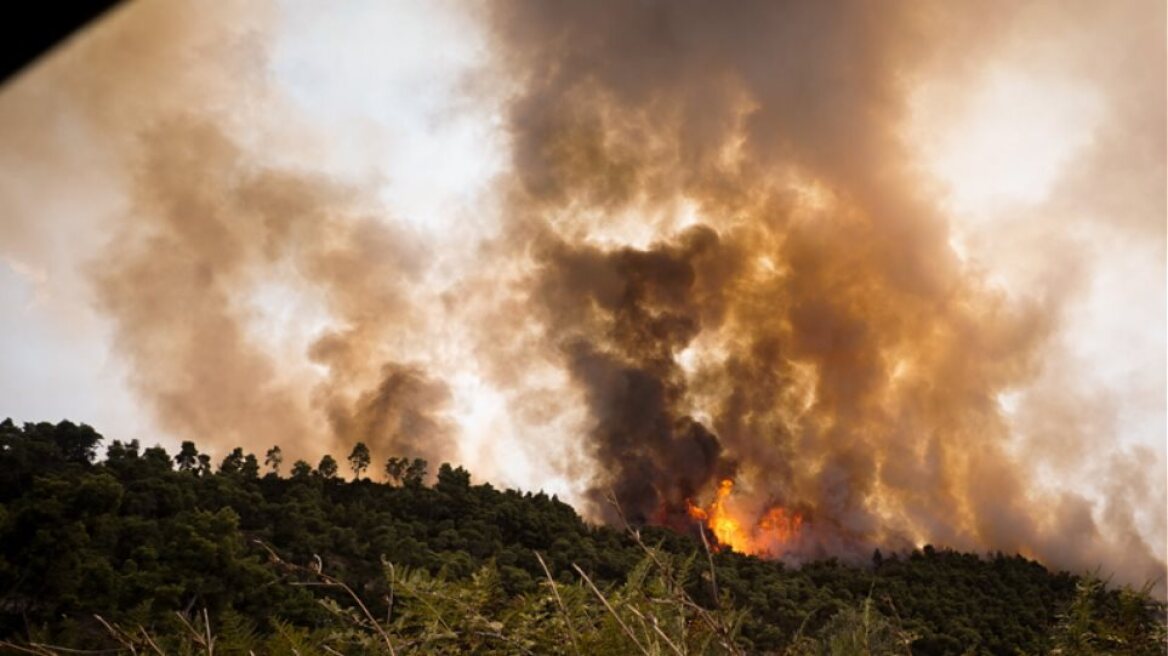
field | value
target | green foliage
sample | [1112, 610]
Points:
[1100, 622]
[856, 630]
[271, 565]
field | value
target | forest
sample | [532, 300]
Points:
[142, 551]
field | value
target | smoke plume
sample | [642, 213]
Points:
[210, 231]
[712, 257]
[799, 322]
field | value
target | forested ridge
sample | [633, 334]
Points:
[145, 551]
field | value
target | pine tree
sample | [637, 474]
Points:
[274, 458]
[327, 467]
[359, 460]
[188, 456]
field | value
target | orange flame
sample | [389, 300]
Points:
[776, 527]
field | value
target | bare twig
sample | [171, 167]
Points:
[53, 650]
[150, 641]
[392, 588]
[202, 638]
[803, 624]
[121, 636]
[654, 624]
[906, 636]
[207, 628]
[710, 560]
[636, 535]
[437, 614]
[721, 631]
[623, 626]
[560, 601]
[317, 570]
[34, 649]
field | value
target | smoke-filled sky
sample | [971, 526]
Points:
[895, 268]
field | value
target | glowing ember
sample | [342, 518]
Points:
[776, 527]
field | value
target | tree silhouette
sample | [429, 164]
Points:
[409, 473]
[77, 443]
[233, 463]
[188, 456]
[327, 467]
[451, 479]
[250, 467]
[359, 460]
[301, 469]
[395, 468]
[274, 458]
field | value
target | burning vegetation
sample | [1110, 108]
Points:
[769, 535]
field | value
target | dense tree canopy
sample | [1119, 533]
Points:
[142, 535]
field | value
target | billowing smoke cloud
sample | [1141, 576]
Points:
[714, 259]
[210, 229]
[814, 336]
[619, 317]
[208, 225]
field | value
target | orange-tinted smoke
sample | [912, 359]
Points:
[209, 226]
[711, 227]
[174, 97]
[798, 320]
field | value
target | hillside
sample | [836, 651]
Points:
[157, 552]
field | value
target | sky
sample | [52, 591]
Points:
[414, 133]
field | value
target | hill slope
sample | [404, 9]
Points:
[143, 535]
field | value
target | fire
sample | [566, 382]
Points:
[765, 536]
